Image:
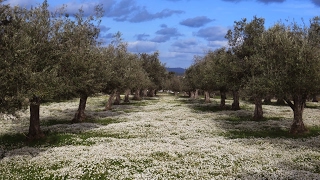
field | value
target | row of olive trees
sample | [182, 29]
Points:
[50, 56]
[281, 61]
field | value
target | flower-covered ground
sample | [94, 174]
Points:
[161, 138]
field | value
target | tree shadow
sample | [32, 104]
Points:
[241, 125]
[57, 126]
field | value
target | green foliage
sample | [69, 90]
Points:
[48, 55]
[125, 68]
[294, 71]
[155, 70]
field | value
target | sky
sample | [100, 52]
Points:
[180, 29]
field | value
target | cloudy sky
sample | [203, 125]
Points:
[181, 29]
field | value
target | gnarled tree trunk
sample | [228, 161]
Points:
[258, 111]
[196, 94]
[34, 127]
[151, 92]
[236, 103]
[207, 97]
[280, 101]
[223, 97]
[80, 115]
[110, 101]
[267, 99]
[118, 99]
[136, 95]
[192, 94]
[314, 98]
[298, 105]
[143, 93]
[185, 93]
[126, 96]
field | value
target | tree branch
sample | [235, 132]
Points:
[289, 103]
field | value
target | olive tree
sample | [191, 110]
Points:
[29, 61]
[156, 71]
[192, 79]
[218, 64]
[293, 63]
[243, 40]
[82, 67]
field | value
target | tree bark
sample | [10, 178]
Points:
[110, 101]
[223, 97]
[258, 111]
[314, 98]
[143, 93]
[267, 99]
[298, 105]
[80, 115]
[118, 99]
[137, 95]
[151, 93]
[34, 127]
[235, 104]
[192, 94]
[126, 96]
[280, 101]
[207, 97]
[196, 94]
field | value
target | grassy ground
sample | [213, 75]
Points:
[161, 138]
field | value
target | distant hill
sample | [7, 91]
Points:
[178, 71]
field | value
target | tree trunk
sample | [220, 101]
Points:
[235, 104]
[192, 94]
[258, 111]
[143, 93]
[175, 93]
[126, 96]
[34, 127]
[314, 98]
[80, 115]
[267, 99]
[118, 99]
[223, 97]
[280, 101]
[207, 97]
[151, 93]
[110, 101]
[137, 95]
[298, 105]
[196, 94]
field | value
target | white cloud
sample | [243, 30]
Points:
[142, 46]
[22, 3]
[218, 44]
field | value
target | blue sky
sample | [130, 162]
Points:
[181, 29]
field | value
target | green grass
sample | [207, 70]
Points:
[240, 119]
[54, 139]
[52, 122]
[271, 133]
[211, 108]
[105, 121]
[312, 105]
[12, 141]
[64, 139]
